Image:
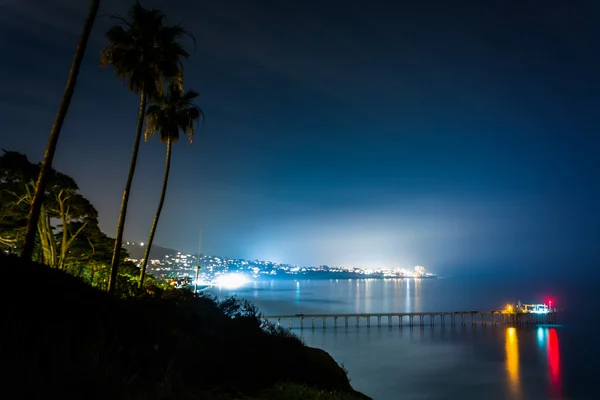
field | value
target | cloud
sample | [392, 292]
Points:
[47, 20]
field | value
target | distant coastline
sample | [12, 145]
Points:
[326, 275]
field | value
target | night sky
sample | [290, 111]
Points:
[462, 136]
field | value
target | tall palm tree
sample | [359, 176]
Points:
[168, 115]
[46, 167]
[145, 53]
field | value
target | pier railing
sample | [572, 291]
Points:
[455, 318]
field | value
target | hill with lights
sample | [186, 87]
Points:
[181, 267]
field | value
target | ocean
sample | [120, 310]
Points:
[463, 362]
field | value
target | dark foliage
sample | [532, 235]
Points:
[65, 339]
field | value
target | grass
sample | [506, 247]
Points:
[61, 338]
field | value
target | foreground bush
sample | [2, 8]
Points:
[61, 338]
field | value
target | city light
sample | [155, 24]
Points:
[528, 308]
[231, 281]
[540, 311]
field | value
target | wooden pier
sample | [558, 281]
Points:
[460, 318]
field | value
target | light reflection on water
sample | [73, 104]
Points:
[427, 363]
[540, 337]
[554, 362]
[512, 361]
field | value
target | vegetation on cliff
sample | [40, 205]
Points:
[65, 339]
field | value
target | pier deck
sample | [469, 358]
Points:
[455, 318]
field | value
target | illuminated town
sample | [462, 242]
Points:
[180, 269]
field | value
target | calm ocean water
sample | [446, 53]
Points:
[482, 362]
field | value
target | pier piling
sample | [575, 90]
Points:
[493, 317]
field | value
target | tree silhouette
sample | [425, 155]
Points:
[168, 115]
[17, 183]
[62, 203]
[42, 179]
[145, 53]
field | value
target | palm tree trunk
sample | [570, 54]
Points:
[123, 214]
[43, 244]
[158, 211]
[40, 187]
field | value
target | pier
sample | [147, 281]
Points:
[456, 318]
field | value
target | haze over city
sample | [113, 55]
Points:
[456, 137]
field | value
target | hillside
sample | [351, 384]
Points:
[156, 252]
[73, 341]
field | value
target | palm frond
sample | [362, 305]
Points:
[190, 95]
[172, 113]
[185, 32]
[144, 51]
[179, 80]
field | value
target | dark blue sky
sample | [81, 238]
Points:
[452, 134]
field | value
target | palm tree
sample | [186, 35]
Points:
[46, 167]
[145, 53]
[168, 115]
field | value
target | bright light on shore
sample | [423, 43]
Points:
[231, 281]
